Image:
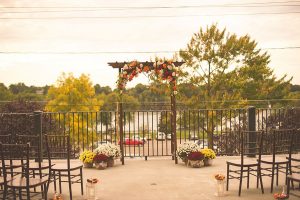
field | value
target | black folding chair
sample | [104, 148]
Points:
[277, 163]
[58, 147]
[244, 167]
[294, 164]
[15, 166]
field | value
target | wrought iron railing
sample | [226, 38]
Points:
[148, 133]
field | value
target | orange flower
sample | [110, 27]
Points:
[146, 69]
[132, 64]
[164, 65]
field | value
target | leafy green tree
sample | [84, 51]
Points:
[226, 67]
[99, 89]
[18, 88]
[5, 94]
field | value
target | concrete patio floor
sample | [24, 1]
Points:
[160, 179]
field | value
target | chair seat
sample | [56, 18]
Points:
[295, 177]
[64, 166]
[278, 160]
[247, 162]
[21, 182]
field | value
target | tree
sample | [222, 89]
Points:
[71, 94]
[230, 67]
[18, 88]
[226, 67]
[99, 89]
[5, 94]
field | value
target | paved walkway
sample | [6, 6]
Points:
[160, 179]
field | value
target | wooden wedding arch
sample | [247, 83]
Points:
[166, 71]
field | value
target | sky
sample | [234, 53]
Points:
[41, 39]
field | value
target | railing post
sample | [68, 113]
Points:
[251, 129]
[38, 131]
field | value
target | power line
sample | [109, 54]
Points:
[254, 4]
[130, 8]
[119, 52]
[148, 16]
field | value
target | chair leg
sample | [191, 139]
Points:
[81, 181]
[54, 180]
[70, 184]
[59, 182]
[227, 180]
[46, 191]
[241, 181]
[288, 186]
[277, 174]
[257, 177]
[28, 193]
[48, 182]
[20, 194]
[248, 178]
[260, 179]
[272, 178]
[286, 172]
[5, 192]
[14, 193]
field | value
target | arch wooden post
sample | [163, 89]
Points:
[173, 125]
[121, 132]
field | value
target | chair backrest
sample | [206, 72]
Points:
[281, 141]
[295, 146]
[251, 144]
[58, 147]
[294, 159]
[15, 160]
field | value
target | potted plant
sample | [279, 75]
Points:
[86, 158]
[112, 151]
[209, 155]
[195, 159]
[185, 149]
[100, 161]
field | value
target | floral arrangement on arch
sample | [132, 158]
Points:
[186, 148]
[110, 150]
[162, 70]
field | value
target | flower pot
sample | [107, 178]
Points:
[185, 160]
[110, 162]
[208, 162]
[101, 165]
[195, 163]
[88, 165]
